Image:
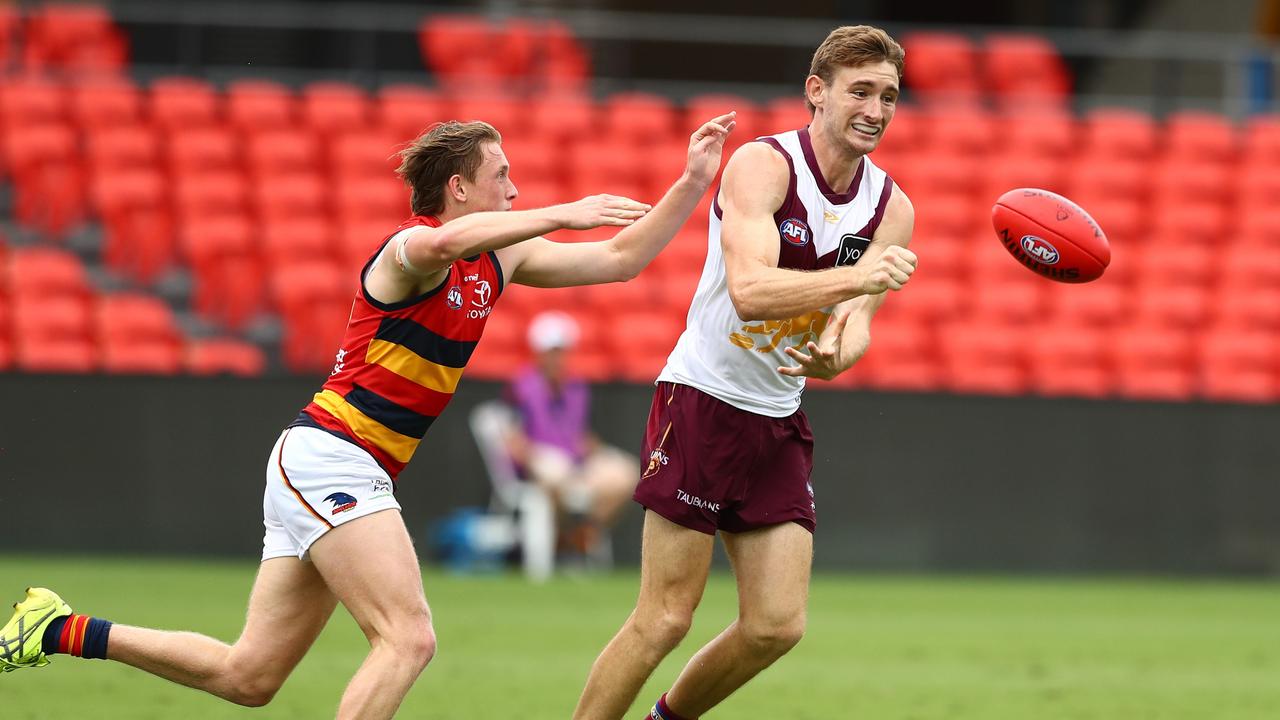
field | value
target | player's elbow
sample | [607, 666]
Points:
[746, 302]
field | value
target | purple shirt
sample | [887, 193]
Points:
[552, 418]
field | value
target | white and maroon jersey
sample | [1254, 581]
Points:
[737, 361]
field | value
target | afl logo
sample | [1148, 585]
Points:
[454, 298]
[1040, 250]
[794, 231]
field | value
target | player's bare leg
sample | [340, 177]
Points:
[383, 592]
[673, 573]
[288, 607]
[772, 566]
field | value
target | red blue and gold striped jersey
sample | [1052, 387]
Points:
[399, 363]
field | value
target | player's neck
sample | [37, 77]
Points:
[836, 161]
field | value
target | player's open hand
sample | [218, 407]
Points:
[824, 359]
[596, 210]
[889, 271]
[706, 145]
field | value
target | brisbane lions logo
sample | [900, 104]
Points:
[772, 333]
[794, 231]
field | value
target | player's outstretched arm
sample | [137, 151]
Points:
[428, 249]
[848, 333]
[543, 263]
[754, 187]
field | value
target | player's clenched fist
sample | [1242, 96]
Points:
[889, 271]
[596, 210]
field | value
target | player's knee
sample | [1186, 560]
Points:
[415, 641]
[663, 631]
[774, 635]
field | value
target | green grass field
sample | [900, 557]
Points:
[881, 648]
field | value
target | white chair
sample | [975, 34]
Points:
[533, 511]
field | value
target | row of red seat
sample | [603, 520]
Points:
[52, 319]
[1011, 67]
[473, 50]
[72, 37]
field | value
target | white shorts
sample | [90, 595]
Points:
[316, 482]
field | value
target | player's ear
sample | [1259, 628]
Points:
[814, 89]
[456, 188]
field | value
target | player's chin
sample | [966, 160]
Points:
[863, 142]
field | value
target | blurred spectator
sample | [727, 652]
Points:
[553, 446]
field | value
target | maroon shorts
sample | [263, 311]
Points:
[710, 466]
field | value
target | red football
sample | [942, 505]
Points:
[1051, 235]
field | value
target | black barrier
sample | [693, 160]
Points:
[902, 482]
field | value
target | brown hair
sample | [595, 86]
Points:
[851, 46]
[444, 150]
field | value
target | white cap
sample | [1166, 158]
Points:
[552, 329]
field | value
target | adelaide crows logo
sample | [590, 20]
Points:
[342, 502]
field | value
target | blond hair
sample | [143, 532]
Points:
[851, 46]
[444, 150]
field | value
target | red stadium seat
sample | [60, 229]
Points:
[1188, 264]
[31, 99]
[1239, 365]
[27, 148]
[505, 112]
[538, 193]
[1248, 307]
[134, 318]
[1180, 223]
[1006, 172]
[1011, 303]
[365, 153]
[642, 340]
[1166, 305]
[953, 131]
[1153, 363]
[357, 241]
[6, 353]
[207, 194]
[330, 107]
[74, 37]
[406, 111]
[454, 47]
[288, 196]
[1123, 219]
[932, 299]
[1255, 184]
[1038, 133]
[562, 118]
[535, 160]
[225, 357]
[984, 358]
[1251, 266]
[943, 67]
[1117, 178]
[1260, 225]
[1070, 359]
[38, 320]
[200, 150]
[184, 103]
[1203, 136]
[502, 348]
[605, 166]
[1100, 303]
[56, 356]
[1026, 68]
[1117, 133]
[288, 241]
[1180, 179]
[642, 292]
[751, 118]
[142, 358]
[789, 113]
[640, 117]
[39, 272]
[258, 105]
[281, 152]
[901, 357]
[382, 199]
[1262, 138]
[122, 146]
[106, 102]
